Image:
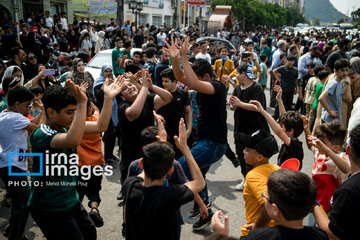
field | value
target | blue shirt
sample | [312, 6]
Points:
[276, 59]
[333, 100]
[303, 61]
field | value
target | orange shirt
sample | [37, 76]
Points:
[89, 150]
[255, 184]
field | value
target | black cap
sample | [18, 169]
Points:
[263, 142]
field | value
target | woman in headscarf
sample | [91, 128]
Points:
[64, 44]
[40, 79]
[14, 71]
[100, 45]
[110, 134]
[73, 40]
[79, 76]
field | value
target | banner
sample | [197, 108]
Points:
[103, 9]
[196, 2]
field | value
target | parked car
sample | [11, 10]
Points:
[218, 42]
[100, 59]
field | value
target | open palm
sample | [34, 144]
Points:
[114, 88]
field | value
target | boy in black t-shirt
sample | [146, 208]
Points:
[150, 207]
[288, 129]
[178, 108]
[289, 198]
[287, 76]
[239, 102]
[343, 218]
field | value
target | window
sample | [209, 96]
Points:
[143, 19]
[157, 20]
[167, 20]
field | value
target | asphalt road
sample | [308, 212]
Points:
[221, 179]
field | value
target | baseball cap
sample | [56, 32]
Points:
[263, 142]
[250, 72]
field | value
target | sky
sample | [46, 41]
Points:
[346, 6]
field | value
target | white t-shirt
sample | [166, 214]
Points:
[161, 39]
[205, 56]
[64, 23]
[13, 137]
[49, 22]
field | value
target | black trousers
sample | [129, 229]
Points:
[74, 224]
[287, 98]
[239, 148]
[109, 139]
[91, 188]
[19, 195]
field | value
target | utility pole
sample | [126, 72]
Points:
[120, 13]
[178, 13]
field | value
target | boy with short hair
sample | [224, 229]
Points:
[288, 129]
[223, 66]
[178, 108]
[259, 148]
[150, 207]
[331, 97]
[289, 197]
[243, 93]
[57, 209]
[14, 127]
[341, 223]
[263, 73]
[287, 76]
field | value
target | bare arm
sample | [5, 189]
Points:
[110, 91]
[175, 54]
[273, 124]
[323, 222]
[74, 136]
[162, 97]
[277, 75]
[188, 118]
[322, 100]
[279, 100]
[198, 182]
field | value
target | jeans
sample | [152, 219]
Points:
[72, 224]
[205, 153]
[19, 196]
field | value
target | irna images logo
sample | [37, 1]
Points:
[59, 164]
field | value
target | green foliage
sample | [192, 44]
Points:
[341, 21]
[356, 14]
[254, 12]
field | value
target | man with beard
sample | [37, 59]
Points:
[133, 65]
[344, 46]
[164, 64]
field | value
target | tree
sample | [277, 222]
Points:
[316, 21]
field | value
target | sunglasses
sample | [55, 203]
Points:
[32, 58]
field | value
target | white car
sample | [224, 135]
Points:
[100, 59]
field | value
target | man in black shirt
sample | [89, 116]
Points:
[211, 135]
[343, 218]
[164, 64]
[344, 46]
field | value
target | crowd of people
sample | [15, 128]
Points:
[166, 107]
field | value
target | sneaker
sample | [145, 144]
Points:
[202, 223]
[120, 196]
[240, 186]
[195, 211]
[97, 219]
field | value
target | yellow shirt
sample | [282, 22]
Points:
[229, 65]
[255, 184]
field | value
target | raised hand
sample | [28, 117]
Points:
[278, 89]
[305, 122]
[258, 106]
[181, 140]
[162, 135]
[113, 89]
[83, 86]
[184, 47]
[172, 49]
[323, 149]
[75, 90]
